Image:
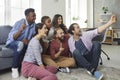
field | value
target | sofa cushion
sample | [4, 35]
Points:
[5, 52]
[5, 63]
[0, 48]
[4, 31]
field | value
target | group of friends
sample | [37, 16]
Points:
[42, 49]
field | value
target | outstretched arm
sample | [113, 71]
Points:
[108, 24]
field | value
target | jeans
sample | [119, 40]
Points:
[17, 53]
[90, 60]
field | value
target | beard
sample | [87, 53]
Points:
[80, 34]
[61, 38]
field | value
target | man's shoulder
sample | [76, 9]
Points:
[70, 37]
[19, 22]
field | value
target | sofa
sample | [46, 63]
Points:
[6, 54]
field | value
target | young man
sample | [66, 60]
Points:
[84, 52]
[19, 37]
[47, 21]
[59, 52]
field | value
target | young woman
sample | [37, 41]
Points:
[32, 65]
[47, 40]
[58, 22]
[47, 21]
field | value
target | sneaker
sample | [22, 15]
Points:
[98, 75]
[89, 72]
[64, 69]
[15, 73]
[31, 78]
[20, 46]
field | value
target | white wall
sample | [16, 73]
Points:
[113, 7]
[52, 7]
[90, 13]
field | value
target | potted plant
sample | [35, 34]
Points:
[75, 18]
[105, 9]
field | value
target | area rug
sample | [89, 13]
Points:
[110, 73]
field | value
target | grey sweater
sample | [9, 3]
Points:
[33, 53]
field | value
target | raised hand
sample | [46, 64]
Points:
[17, 34]
[61, 48]
[23, 26]
[113, 19]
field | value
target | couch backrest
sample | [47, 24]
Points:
[4, 31]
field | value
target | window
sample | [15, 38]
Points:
[2, 7]
[13, 10]
[76, 11]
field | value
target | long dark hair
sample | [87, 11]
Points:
[38, 26]
[55, 20]
[56, 25]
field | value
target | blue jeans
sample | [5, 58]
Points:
[17, 54]
[91, 59]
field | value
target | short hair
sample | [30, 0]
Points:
[71, 28]
[27, 11]
[44, 18]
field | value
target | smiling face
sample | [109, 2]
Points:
[31, 17]
[60, 34]
[48, 23]
[43, 31]
[77, 30]
[60, 20]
